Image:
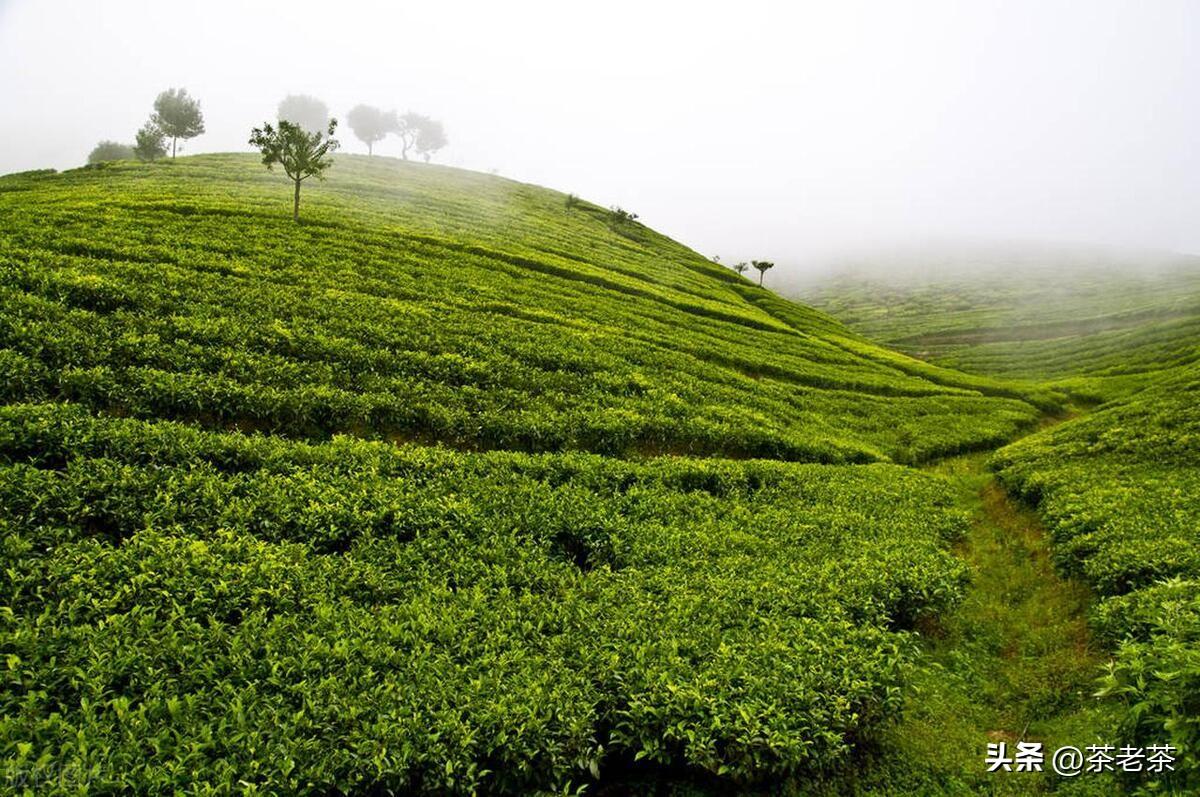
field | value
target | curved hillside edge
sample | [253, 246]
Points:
[1092, 325]
[448, 489]
[401, 308]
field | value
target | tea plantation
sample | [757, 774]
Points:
[377, 503]
[458, 487]
[1120, 489]
[1093, 323]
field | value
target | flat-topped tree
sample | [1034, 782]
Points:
[301, 154]
[763, 267]
[178, 116]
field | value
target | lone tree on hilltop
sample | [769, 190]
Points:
[430, 138]
[370, 124]
[301, 154]
[308, 112]
[150, 143]
[110, 151]
[178, 116]
[763, 267]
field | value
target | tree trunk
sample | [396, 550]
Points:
[173, 140]
[370, 148]
[761, 274]
[296, 203]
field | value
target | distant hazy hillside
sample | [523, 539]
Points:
[1035, 313]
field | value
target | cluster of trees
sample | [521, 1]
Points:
[302, 141]
[176, 116]
[762, 266]
[417, 132]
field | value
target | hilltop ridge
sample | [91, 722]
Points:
[494, 314]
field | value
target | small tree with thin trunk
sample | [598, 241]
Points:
[370, 124]
[178, 116]
[741, 267]
[763, 267]
[150, 143]
[301, 154]
[419, 132]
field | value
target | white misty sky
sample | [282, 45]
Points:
[745, 129]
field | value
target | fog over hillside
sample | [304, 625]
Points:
[790, 132]
[975, 262]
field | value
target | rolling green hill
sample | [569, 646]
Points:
[431, 304]
[460, 487]
[450, 488]
[1118, 488]
[1097, 324]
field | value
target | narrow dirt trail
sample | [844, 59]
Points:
[1013, 661]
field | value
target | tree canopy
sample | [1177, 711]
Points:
[763, 267]
[410, 130]
[300, 153]
[177, 115]
[150, 143]
[308, 112]
[110, 151]
[431, 137]
[371, 124]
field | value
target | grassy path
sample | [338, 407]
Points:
[1014, 661]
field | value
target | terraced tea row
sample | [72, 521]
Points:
[191, 609]
[535, 327]
[1096, 325]
[1119, 490]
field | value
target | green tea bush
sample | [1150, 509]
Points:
[192, 609]
[1118, 488]
[449, 490]
[435, 305]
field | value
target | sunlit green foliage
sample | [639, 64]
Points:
[1121, 490]
[357, 614]
[424, 303]
[378, 503]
